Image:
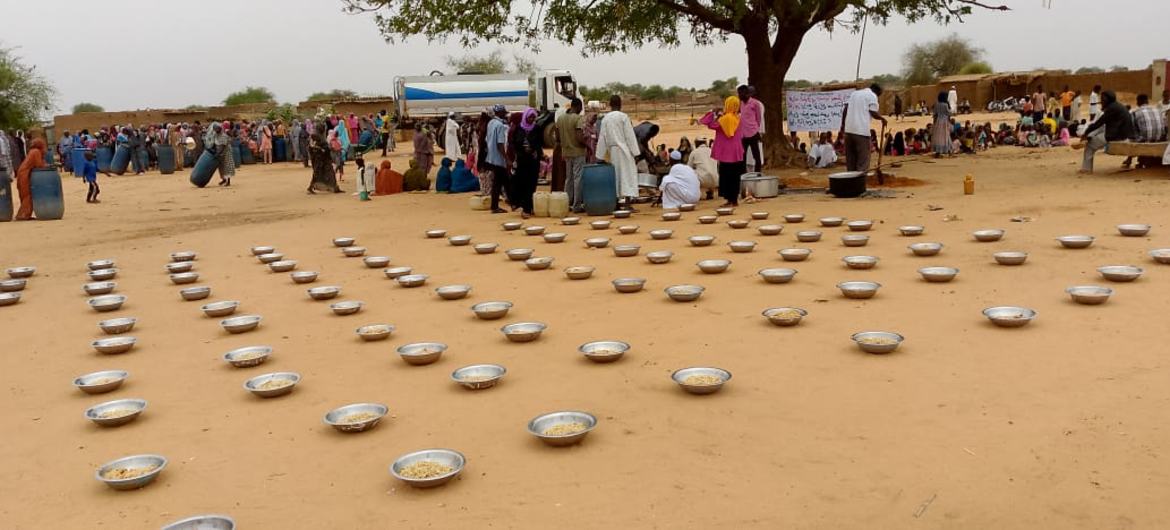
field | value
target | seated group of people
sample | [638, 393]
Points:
[457, 179]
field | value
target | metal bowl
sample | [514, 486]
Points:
[859, 290]
[629, 285]
[742, 246]
[519, 254]
[479, 376]
[13, 285]
[324, 292]
[860, 262]
[102, 275]
[725, 210]
[759, 216]
[156, 462]
[831, 221]
[701, 241]
[1075, 241]
[248, 356]
[597, 242]
[680, 377]
[21, 272]
[877, 341]
[192, 294]
[659, 257]
[911, 230]
[491, 310]
[1010, 257]
[661, 234]
[777, 275]
[579, 272]
[784, 316]
[9, 299]
[184, 278]
[240, 324]
[523, 331]
[101, 382]
[688, 207]
[343, 241]
[436, 233]
[795, 254]
[684, 293]
[98, 288]
[1120, 273]
[203, 522]
[253, 385]
[512, 225]
[555, 237]
[808, 236]
[1133, 230]
[396, 272]
[303, 276]
[604, 351]
[420, 353]
[938, 274]
[256, 251]
[534, 230]
[486, 248]
[117, 326]
[459, 241]
[180, 266]
[353, 252]
[447, 457]
[860, 225]
[626, 251]
[453, 292]
[538, 264]
[346, 307]
[770, 230]
[570, 221]
[538, 425]
[284, 265]
[1161, 255]
[925, 249]
[1008, 316]
[1089, 294]
[854, 240]
[671, 216]
[599, 225]
[707, 219]
[116, 412]
[109, 302]
[114, 345]
[738, 223]
[271, 257]
[988, 236]
[376, 262]
[713, 266]
[183, 255]
[341, 418]
[622, 214]
[374, 332]
[412, 280]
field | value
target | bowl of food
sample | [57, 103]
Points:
[374, 332]
[117, 326]
[412, 280]
[555, 237]
[1089, 294]
[101, 382]
[114, 345]
[512, 225]
[688, 207]
[102, 275]
[604, 351]
[626, 251]
[353, 252]
[21, 272]
[131, 472]
[1010, 257]
[570, 221]
[346, 307]
[523, 331]
[701, 241]
[777, 275]
[116, 412]
[1009, 316]
[860, 262]
[491, 310]
[248, 356]
[742, 246]
[1133, 230]
[436, 233]
[794, 218]
[184, 278]
[795, 254]
[659, 257]
[661, 234]
[183, 255]
[713, 266]
[938, 274]
[1075, 241]
[459, 241]
[356, 417]
[7, 299]
[192, 294]
[784, 316]
[428, 468]
[987, 236]
[859, 290]
[701, 379]
[203, 522]
[562, 428]
[343, 241]
[854, 240]
[579, 272]
[860, 225]
[770, 230]
[479, 376]
[453, 292]
[534, 230]
[271, 257]
[671, 216]
[324, 292]
[1120, 273]
[925, 249]
[303, 276]
[99, 288]
[808, 236]
[599, 225]
[266, 249]
[273, 384]
[684, 293]
[421, 353]
[376, 262]
[176, 267]
[629, 285]
[831, 221]
[707, 219]
[877, 341]
[393, 273]
[911, 230]
[486, 248]
[538, 264]
[240, 324]
[597, 242]
[725, 210]
[1161, 255]
[519, 254]
[622, 214]
[105, 303]
[738, 223]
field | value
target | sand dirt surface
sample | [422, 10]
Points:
[1060, 424]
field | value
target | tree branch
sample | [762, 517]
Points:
[701, 12]
[976, 3]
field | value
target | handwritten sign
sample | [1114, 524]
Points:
[816, 111]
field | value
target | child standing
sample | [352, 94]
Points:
[89, 173]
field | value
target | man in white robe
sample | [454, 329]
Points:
[681, 185]
[617, 145]
[452, 139]
[953, 100]
[705, 167]
[822, 154]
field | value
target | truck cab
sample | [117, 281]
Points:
[555, 87]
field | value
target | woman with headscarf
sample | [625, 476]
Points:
[424, 148]
[727, 148]
[528, 146]
[303, 141]
[137, 155]
[265, 143]
[684, 149]
[387, 181]
[590, 133]
[484, 174]
[462, 180]
[940, 132]
[175, 138]
[352, 123]
[343, 141]
[223, 152]
[294, 141]
[443, 177]
[322, 156]
[415, 179]
[34, 159]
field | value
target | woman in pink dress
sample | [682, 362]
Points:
[266, 142]
[727, 148]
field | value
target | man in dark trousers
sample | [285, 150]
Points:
[861, 107]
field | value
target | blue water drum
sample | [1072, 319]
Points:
[121, 160]
[48, 202]
[141, 160]
[104, 156]
[246, 155]
[599, 189]
[166, 158]
[78, 160]
[279, 150]
[204, 169]
[236, 156]
[5, 196]
[188, 158]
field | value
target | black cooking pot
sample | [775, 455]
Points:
[847, 184]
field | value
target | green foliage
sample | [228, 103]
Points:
[87, 107]
[724, 87]
[923, 64]
[1089, 70]
[332, 95]
[654, 93]
[196, 108]
[1118, 68]
[977, 67]
[888, 80]
[251, 94]
[492, 63]
[25, 96]
[286, 112]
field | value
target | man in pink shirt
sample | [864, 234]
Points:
[751, 117]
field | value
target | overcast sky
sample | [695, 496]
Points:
[131, 54]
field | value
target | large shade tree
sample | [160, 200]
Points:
[772, 30]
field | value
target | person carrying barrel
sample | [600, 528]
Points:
[34, 159]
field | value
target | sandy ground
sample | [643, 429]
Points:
[1056, 425]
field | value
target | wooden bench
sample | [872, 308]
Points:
[1144, 149]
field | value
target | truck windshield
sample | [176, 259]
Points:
[566, 87]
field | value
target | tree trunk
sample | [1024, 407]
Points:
[768, 65]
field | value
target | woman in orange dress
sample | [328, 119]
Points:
[388, 181]
[34, 159]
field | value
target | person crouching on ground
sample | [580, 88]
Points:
[822, 154]
[681, 185]
[415, 179]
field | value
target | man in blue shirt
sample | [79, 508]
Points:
[497, 155]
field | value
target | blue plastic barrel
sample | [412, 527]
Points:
[77, 160]
[141, 160]
[104, 156]
[166, 159]
[121, 160]
[236, 155]
[246, 155]
[48, 202]
[279, 150]
[6, 210]
[204, 169]
[599, 189]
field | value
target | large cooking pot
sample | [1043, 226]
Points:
[847, 184]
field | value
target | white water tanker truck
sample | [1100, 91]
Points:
[434, 96]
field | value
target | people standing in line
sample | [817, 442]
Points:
[451, 138]
[751, 115]
[178, 144]
[860, 109]
[424, 148]
[953, 100]
[1118, 125]
[304, 140]
[528, 145]
[618, 145]
[223, 152]
[33, 159]
[294, 140]
[483, 172]
[728, 148]
[7, 164]
[281, 134]
[570, 136]
[496, 158]
[590, 119]
[343, 143]
[321, 154]
[65, 150]
[135, 144]
[940, 132]
[265, 142]
[352, 125]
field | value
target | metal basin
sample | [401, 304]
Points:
[1120, 273]
[453, 292]
[622, 214]
[240, 324]
[925, 249]
[523, 331]
[156, 464]
[109, 302]
[671, 216]
[436, 233]
[180, 266]
[859, 290]
[343, 241]
[911, 230]
[421, 353]
[701, 241]
[116, 326]
[555, 237]
[353, 252]
[183, 255]
[394, 273]
[831, 221]
[1089, 294]
[454, 460]
[860, 262]
[324, 292]
[540, 425]
[579, 272]
[1009, 316]
[13, 285]
[713, 266]
[738, 223]
[604, 351]
[597, 242]
[115, 413]
[1075, 241]
[248, 356]
[770, 230]
[599, 225]
[1161, 255]
[684, 293]
[784, 316]
[538, 264]
[707, 219]
[101, 382]
[709, 386]
[374, 332]
[479, 376]
[659, 257]
[184, 278]
[7, 299]
[854, 240]
[795, 254]
[412, 280]
[570, 221]
[264, 249]
[938, 274]
[486, 248]
[519, 254]
[661, 234]
[860, 225]
[725, 210]
[356, 417]
[512, 225]
[626, 251]
[988, 236]
[21, 272]
[347, 307]
[534, 230]
[98, 288]
[114, 345]
[686, 207]
[629, 285]
[1010, 257]
[742, 246]
[1133, 230]
[459, 241]
[759, 216]
[271, 257]
[283, 265]
[203, 522]
[303, 276]
[491, 310]
[777, 275]
[102, 275]
[192, 294]
[877, 341]
[376, 262]
[808, 236]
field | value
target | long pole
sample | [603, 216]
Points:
[860, 47]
